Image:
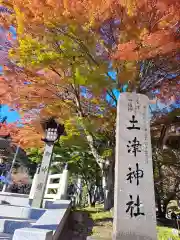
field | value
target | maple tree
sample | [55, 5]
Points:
[61, 64]
[132, 31]
[71, 108]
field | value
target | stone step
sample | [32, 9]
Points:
[13, 211]
[10, 225]
[33, 234]
[5, 236]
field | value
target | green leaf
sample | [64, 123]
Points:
[79, 78]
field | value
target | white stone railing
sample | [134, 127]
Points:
[60, 188]
[53, 186]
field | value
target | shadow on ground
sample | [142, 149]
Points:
[78, 227]
[167, 223]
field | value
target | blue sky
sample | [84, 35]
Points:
[12, 116]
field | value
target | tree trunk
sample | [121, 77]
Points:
[91, 202]
[107, 175]
[159, 189]
[108, 186]
[79, 191]
[164, 209]
[158, 201]
[162, 206]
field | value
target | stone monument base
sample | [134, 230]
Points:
[132, 236]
